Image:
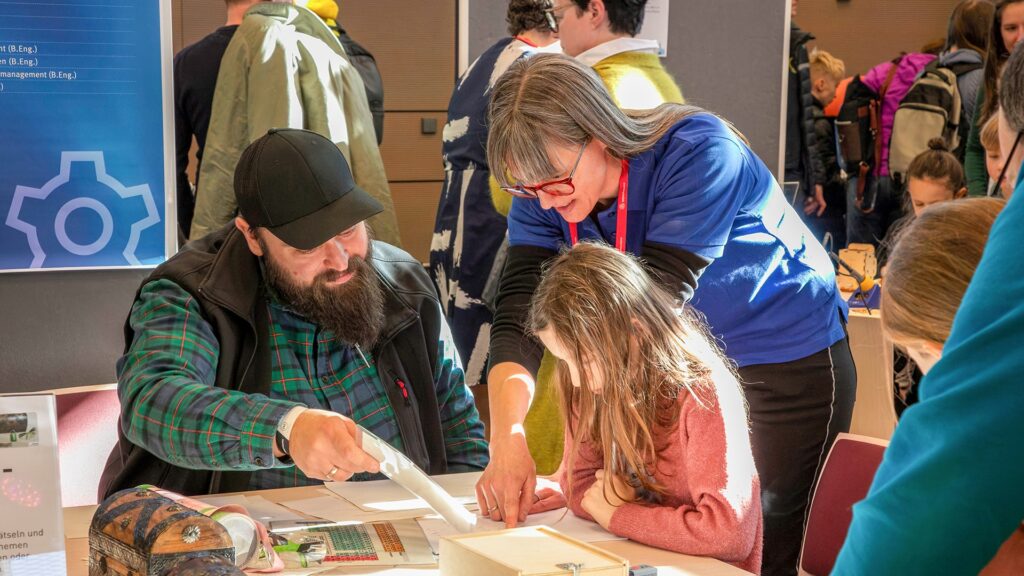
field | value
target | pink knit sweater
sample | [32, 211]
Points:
[714, 503]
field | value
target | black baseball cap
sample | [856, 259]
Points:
[298, 185]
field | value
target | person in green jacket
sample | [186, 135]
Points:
[948, 491]
[1007, 30]
[271, 77]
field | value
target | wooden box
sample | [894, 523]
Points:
[860, 257]
[532, 551]
[138, 532]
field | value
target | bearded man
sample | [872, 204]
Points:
[252, 355]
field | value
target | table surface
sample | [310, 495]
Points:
[76, 523]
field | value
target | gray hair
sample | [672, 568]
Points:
[551, 99]
[1011, 90]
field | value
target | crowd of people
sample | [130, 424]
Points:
[657, 324]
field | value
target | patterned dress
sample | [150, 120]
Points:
[468, 230]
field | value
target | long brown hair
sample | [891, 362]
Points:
[969, 26]
[551, 99]
[931, 266]
[617, 323]
[994, 60]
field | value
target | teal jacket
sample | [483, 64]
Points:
[950, 489]
[285, 68]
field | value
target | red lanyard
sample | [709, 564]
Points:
[620, 215]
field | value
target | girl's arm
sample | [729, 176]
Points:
[724, 519]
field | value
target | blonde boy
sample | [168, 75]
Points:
[826, 72]
[993, 156]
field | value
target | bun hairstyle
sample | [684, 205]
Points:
[937, 163]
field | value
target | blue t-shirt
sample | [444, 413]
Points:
[770, 293]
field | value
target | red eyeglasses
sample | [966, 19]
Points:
[563, 187]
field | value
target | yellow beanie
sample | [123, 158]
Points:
[326, 9]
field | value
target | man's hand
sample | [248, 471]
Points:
[328, 446]
[816, 203]
[601, 500]
[505, 490]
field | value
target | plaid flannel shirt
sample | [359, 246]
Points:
[171, 407]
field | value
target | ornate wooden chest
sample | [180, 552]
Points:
[138, 532]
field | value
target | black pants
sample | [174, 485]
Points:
[796, 410]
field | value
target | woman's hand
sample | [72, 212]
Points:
[601, 503]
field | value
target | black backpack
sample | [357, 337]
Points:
[366, 65]
[859, 127]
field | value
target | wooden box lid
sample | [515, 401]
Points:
[530, 551]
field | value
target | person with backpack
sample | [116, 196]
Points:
[939, 104]
[865, 126]
[360, 58]
[1007, 29]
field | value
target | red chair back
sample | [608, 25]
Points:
[845, 479]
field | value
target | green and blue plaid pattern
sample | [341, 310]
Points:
[171, 407]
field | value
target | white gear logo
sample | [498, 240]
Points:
[60, 223]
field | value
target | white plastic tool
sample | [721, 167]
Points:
[403, 471]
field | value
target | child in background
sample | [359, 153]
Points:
[826, 213]
[657, 445]
[994, 158]
[934, 176]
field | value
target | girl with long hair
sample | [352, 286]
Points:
[679, 187]
[657, 444]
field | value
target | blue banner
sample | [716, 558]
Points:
[84, 158]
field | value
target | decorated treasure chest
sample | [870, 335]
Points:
[139, 532]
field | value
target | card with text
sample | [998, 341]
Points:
[31, 519]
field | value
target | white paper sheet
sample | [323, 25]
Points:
[570, 525]
[402, 470]
[331, 507]
[389, 496]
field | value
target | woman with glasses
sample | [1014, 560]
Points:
[680, 188]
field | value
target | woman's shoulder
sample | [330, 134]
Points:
[701, 129]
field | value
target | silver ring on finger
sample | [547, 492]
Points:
[332, 472]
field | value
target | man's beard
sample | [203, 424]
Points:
[353, 311]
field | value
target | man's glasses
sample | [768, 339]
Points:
[553, 14]
[563, 187]
[549, 16]
[1009, 158]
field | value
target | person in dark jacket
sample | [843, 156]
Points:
[802, 157]
[257, 356]
[828, 225]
